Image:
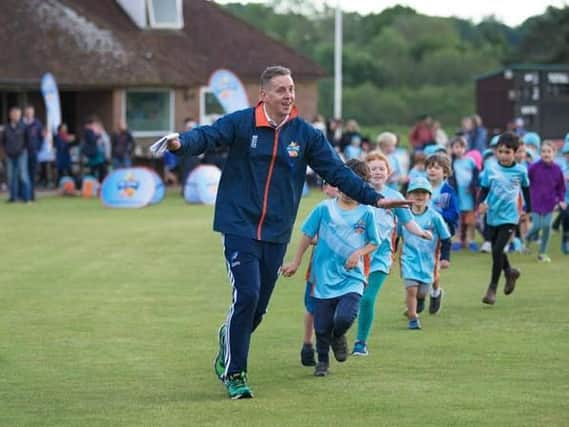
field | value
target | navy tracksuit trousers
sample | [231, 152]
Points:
[332, 319]
[253, 267]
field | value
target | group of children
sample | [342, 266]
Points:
[353, 245]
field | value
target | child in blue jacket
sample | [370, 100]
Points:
[443, 201]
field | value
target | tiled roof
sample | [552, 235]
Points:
[87, 43]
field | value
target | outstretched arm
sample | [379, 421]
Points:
[288, 269]
[413, 228]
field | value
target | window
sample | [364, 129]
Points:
[210, 108]
[165, 14]
[154, 13]
[558, 84]
[150, 112]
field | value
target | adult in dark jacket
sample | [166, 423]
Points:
[14, 141]
[257, 202]
[63, 141]
[122, 144]
[34, 134]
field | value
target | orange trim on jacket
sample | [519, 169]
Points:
[262, 121]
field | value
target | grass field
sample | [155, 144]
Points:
[109, 318]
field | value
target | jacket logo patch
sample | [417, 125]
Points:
[254, 139]
[293, 149]
[360, 226]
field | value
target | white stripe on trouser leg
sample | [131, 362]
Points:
[228, 319]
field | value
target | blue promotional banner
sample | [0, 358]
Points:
[201, 185]
[53, 109]
[131, 188]
[51, 99]
[228, 90]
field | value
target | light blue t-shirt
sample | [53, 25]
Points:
[393, 181]
[352, 152]
[340, 233]
[386, 221]
[505, 185]
[418, 255]
[464, 172]
[416, 173]
[488, 164]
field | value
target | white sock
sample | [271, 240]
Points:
[435, 292]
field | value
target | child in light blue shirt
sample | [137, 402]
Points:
[465, 177]
[419, 257]
[500, 189]
[346, 233]
[307, 352]
[380, 266]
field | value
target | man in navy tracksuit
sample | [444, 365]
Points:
[257, 202]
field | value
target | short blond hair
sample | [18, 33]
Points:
[378, 155]
[385, 138]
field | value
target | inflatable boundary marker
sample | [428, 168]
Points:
[202, 184]
[132, 188]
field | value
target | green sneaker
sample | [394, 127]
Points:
[237, 387]
[219, 361]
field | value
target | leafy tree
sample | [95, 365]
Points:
[399, 64]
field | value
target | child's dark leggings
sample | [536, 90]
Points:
[499, 235]
[333, 317]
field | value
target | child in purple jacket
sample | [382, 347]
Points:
[547, 191]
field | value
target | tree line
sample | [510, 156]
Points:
[399, 64]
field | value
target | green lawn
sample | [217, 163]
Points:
[109, 317]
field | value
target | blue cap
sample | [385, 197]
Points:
[494, 140]
[565, 149]
[567, 139]
[532, 138]
[433, 149]
[420, 183]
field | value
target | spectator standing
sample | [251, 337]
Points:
[93, 149]
[15, 147]
[35, 137]
[478, 135]
[63, 141]
[422, 133]
[351, 132]
[122, 146]
[439, 135]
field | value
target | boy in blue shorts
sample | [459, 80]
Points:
[500, 189]
[346, 233]
[307, 351]
[420, 257]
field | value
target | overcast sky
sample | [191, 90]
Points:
[511, 12]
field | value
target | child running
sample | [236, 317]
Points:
[465, 175]
[346, 233]
[547, 191]
[307, 352]
[381, 259]
[500, 189]
[420, 257]
[443, 200]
